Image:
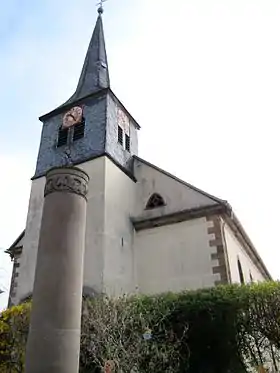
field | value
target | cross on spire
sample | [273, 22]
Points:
[100, 6]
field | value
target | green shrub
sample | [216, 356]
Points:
[226, 329]
[13, 336]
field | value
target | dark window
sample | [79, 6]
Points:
[155, 201]
[241, 276]
[251, 277]
[127, 143]
[79, 130]
[120, 135]
[62, 136]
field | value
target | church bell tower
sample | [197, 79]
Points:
[94, 131]
[92, 122]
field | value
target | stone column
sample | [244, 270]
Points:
[54, 337]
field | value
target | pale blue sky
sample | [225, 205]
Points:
[201, 77]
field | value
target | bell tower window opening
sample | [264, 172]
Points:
[240, 271]
[62, 136]
[127, 142]
[79, 130]
[155, 201]
[120, 135]
[251, 277]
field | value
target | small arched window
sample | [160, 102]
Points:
[155, 201]
[241, 275]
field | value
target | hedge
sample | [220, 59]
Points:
[226, 329]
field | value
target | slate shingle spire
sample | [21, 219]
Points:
[95, 73]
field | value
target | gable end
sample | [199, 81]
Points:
[215, 199]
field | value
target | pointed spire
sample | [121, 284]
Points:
[95, 73]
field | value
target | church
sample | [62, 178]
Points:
[147, 231]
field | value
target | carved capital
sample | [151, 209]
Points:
[71, 180]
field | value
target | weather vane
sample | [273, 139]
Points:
[100, 6]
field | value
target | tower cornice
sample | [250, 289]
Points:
[101, 93]
[68, 105]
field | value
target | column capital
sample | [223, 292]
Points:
[67, 179]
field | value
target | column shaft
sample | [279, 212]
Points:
[54, 337]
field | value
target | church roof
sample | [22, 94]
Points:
[213, 198]
[94, 79]
[95, 72]
[16, 244]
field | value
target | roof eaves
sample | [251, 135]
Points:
[145, 222]
[253, 251]
[124, 108]
[62, 108]
[10, 250]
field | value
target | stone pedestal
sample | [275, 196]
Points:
[54, 337]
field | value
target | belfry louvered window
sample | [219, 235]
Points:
[120, 135]
[155, 201]
[241, 275]
[251, 277]
[79, 130]
[62, 136]
[127, 142]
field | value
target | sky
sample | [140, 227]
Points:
[201, 77]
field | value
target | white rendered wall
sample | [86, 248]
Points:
[119, 255]
[94, 250]
[236, 251]
[177, 195]
[118, 259]
[174, 257]
[30, 242]
[93, 263]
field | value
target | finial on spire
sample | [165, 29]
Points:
[100, 6]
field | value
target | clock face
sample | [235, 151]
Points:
[73, 116]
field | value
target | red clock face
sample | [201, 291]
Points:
[73, 116]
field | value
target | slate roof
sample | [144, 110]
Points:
[95, 72]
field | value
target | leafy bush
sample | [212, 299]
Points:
[13, 336]
[135, 333]
[227, 329]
